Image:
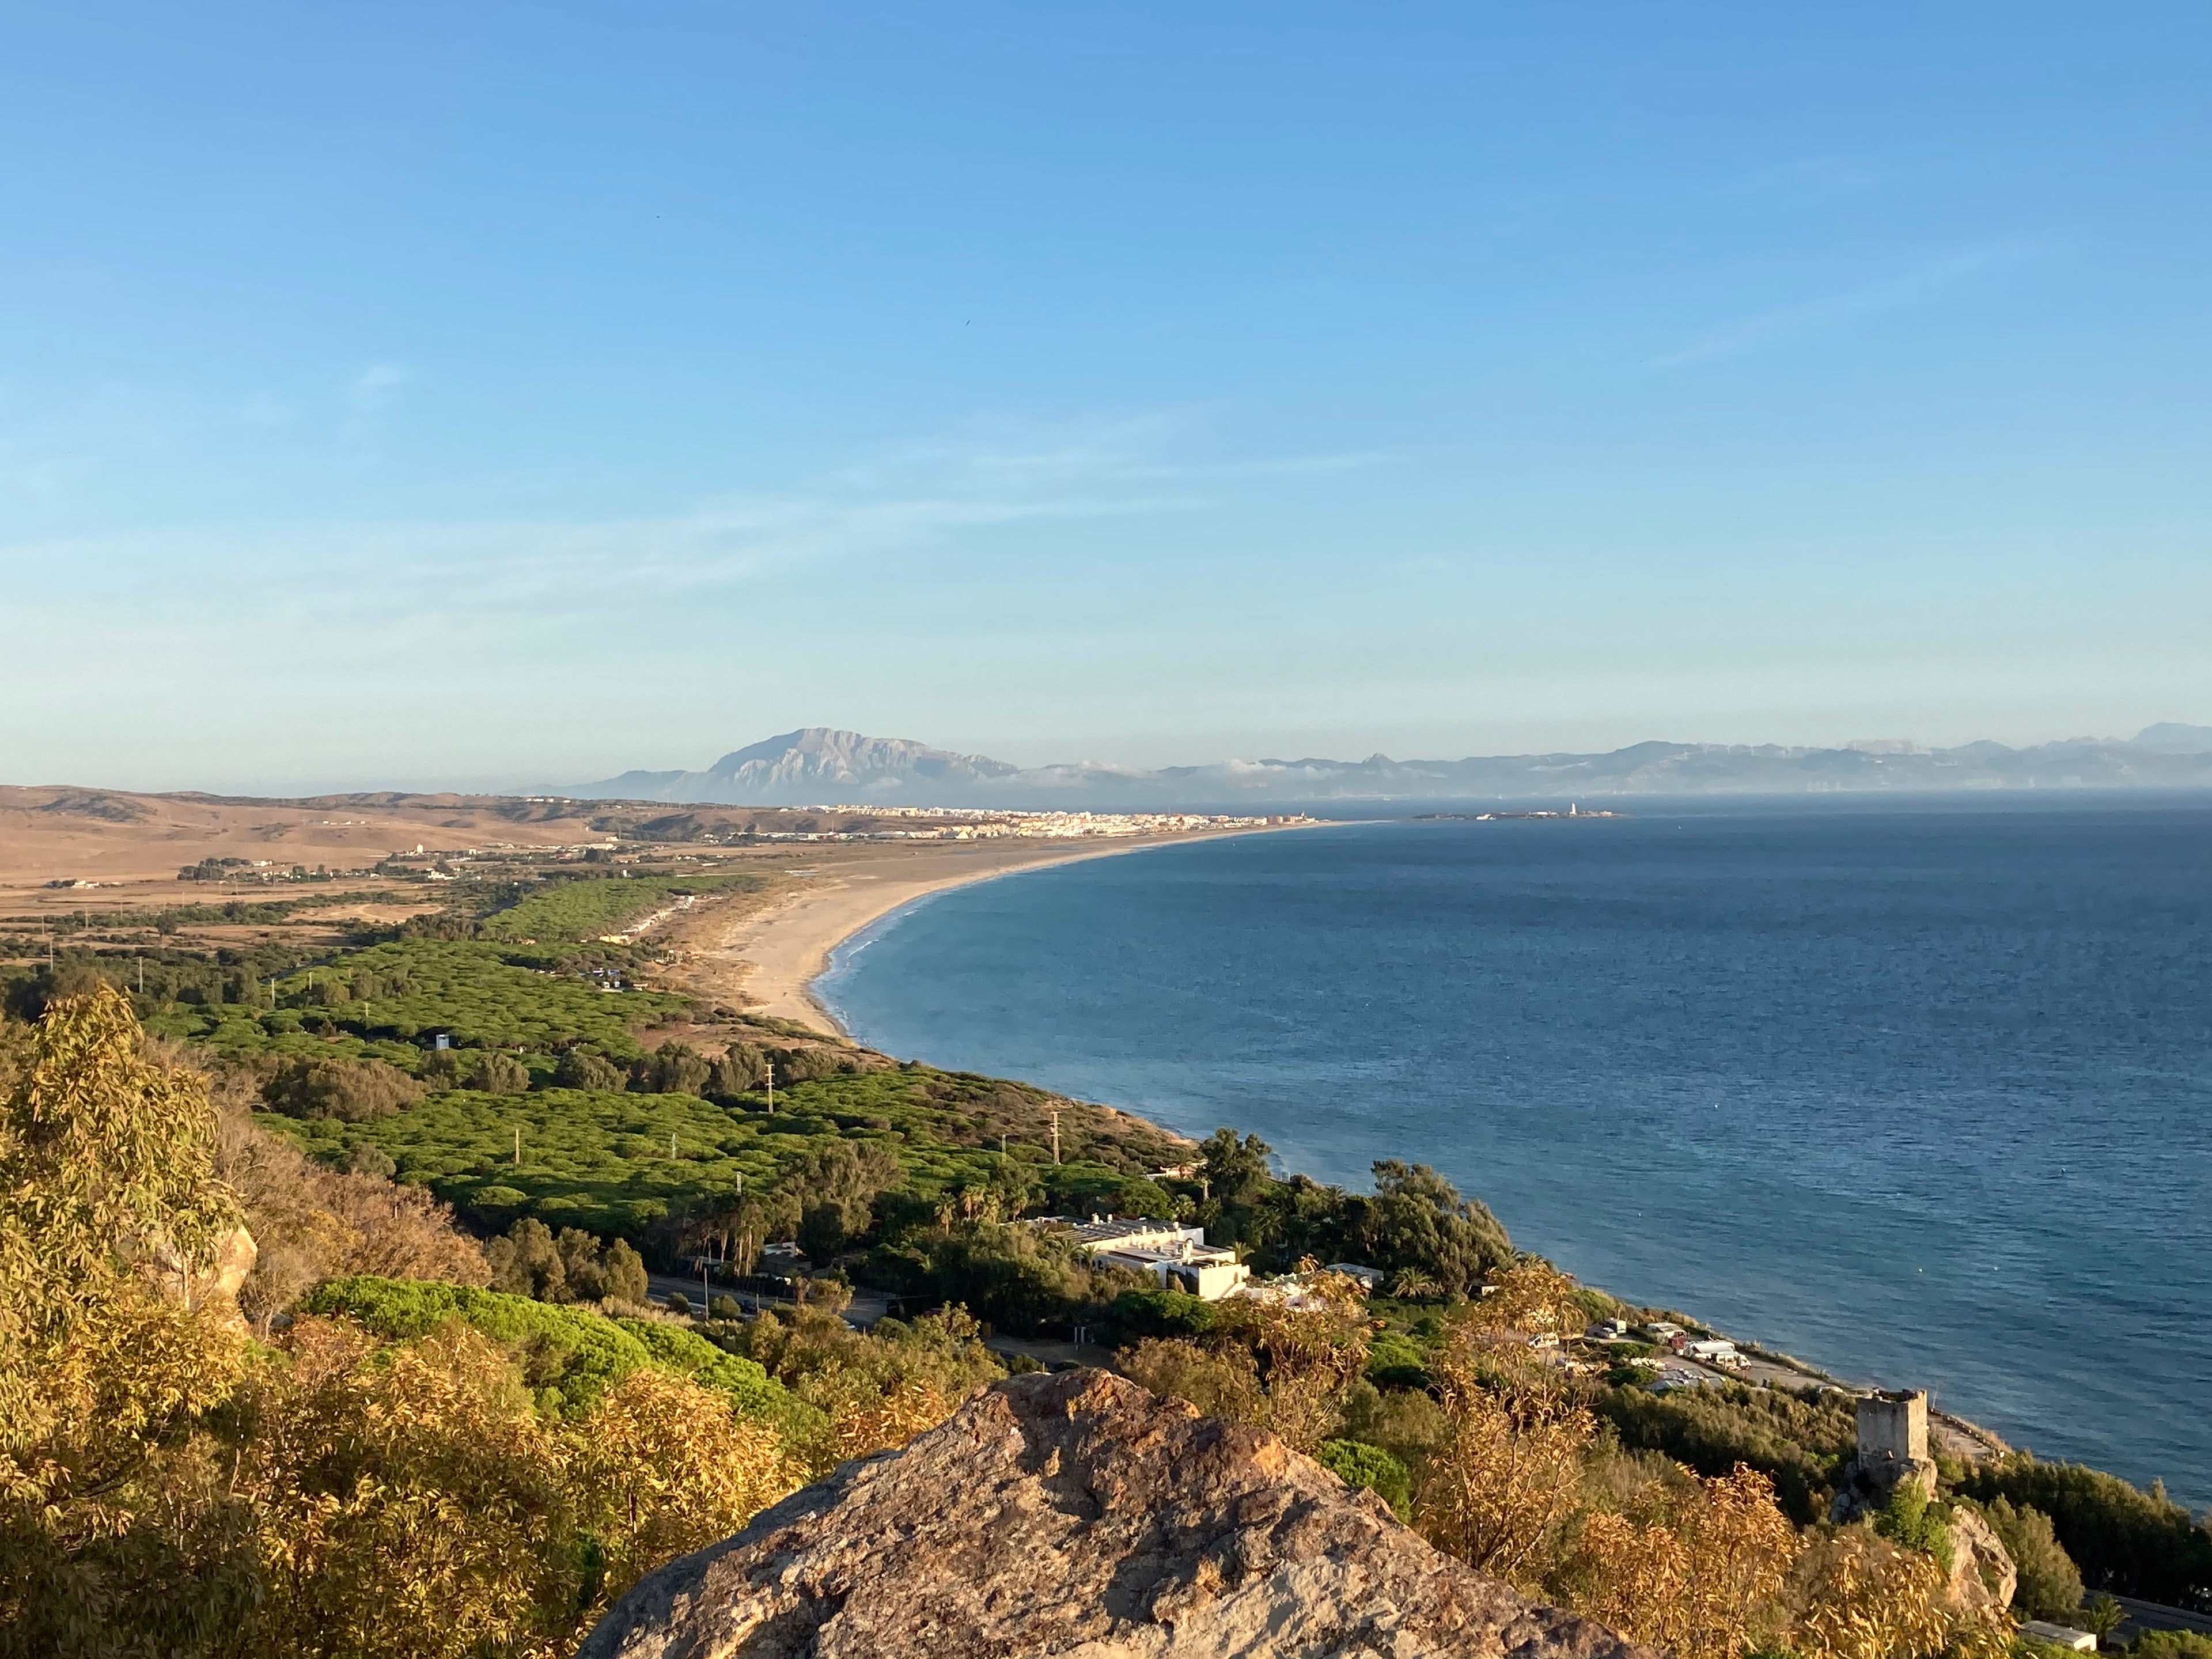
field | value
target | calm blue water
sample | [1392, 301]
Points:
[1924, 1095]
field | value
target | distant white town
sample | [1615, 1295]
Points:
[964, 823]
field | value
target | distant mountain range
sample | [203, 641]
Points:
[821, 767]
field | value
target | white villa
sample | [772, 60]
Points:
[1178, 1257]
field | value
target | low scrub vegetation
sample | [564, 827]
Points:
[577, 909]
[390, 1465]
[432, 1412]
[2122, 1538]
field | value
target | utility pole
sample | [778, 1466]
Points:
[518, 1145]
[771, 1088]
[1056, 1134]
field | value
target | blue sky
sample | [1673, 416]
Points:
[512, 394]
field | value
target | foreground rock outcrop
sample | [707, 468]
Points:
[1079, 1515]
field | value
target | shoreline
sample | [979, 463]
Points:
[771, 958]
[774, 956]
[783, 951]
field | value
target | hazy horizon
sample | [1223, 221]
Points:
[485, 782]
[431, 396]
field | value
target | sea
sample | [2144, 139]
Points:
[1920, 1092]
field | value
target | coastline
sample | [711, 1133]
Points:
[772, 955]
[779, 952]
[769, 957]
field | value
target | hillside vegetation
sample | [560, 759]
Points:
[391, 1466]
[432, 1411]
[584, 909]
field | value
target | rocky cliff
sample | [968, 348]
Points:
[1078, 1515]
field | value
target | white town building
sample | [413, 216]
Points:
[1177, 1257]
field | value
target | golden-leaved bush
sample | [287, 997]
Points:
[1695, 1567]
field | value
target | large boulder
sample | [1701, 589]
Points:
[211, 1285]
[1983, 1575]
[1079, 1515]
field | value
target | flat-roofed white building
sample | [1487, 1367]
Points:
[1177, 1257]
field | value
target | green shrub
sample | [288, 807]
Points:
[2171, 1644]
[1358, 1464]
[587, 908]
[569, 1355]
[622, 1274]
[2122, 1538]
[468, 988]
[2049, 1585]
[796, 1066]
[1907, 1517]
[1134, 1315]
[1397, 1362]
[580, 1068]
[366, 1160]
[1801, 1444]
[351, 1090]
[674, 1068]
[674, 1348]
[496, 1073]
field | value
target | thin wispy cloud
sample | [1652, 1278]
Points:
[367, 624]
[1762, 330]
[1131, 449]
[375, 387]
[1812, 178]
[915, 497]
[369, 396]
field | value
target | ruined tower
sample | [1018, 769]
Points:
[1892, 1428]
[1893, 1449]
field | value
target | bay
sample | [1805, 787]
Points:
[1922, 1093]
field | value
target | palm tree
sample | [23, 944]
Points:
[2101, 1616]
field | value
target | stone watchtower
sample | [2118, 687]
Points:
[1893, 1449]
[1892, 1428]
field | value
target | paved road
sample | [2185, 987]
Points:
[2151, 1615]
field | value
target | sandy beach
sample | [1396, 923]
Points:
[769, 953]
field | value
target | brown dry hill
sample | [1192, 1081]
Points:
[1079, 1515]
[51, 832]
[54, 832]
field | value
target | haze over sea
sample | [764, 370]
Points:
[1922, 1093]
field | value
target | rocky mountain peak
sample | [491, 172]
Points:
[1078, 1514]
[822, 754]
